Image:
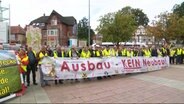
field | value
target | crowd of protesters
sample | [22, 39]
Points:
[30, 61]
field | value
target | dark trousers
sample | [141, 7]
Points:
[24, 76]
[171, 60]
[31, 68]
[178, 59]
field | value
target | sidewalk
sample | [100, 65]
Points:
[164, 86]
[34, 94]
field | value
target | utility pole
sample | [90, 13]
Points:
[2, 9]
[89, 27]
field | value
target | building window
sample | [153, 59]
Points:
[54, 22]
[53, 32]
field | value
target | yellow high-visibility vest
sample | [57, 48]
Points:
[24, 67]
[172, 52]
[179, 51]
[147, 53]
[96, 53]
[85, 54]
[107, 52]
[130, 53]
[41, 55]
[56, 54]
[123, 52]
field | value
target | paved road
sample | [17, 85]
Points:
[164, 86]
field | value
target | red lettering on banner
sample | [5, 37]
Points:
[65, 66]
[153, 62]
[99, 65]
[163, 62]
[159, 62]
[124, 64]
[131, 63]
[91, 66]
[75, 68]
[83, 67]
[148, 63]
[107, 67]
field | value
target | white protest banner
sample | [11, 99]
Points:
[67, 68]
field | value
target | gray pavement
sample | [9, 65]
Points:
[33, 94]
[164, 86]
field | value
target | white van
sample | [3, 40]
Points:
[126, 44]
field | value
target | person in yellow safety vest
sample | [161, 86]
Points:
[183, 56]
[59, 52]
[73, 53]
[107, 52]
[179, 55]
[159, 51]
[97, 52]
[164, 51]
[85, 53]
[172, 55]
[24, 61]
[130, 52]
[41, 54]
[135, 50]
[114, 51]
[123, 51]
[147, 53]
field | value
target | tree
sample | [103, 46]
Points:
[160, 27]
[168, 26]
[83, 30]
[139, 16]
[117, 27]
[179, 9]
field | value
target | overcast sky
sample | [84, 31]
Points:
[24, 11]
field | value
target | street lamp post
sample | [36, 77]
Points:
[89, 26]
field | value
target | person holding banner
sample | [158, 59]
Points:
[73, 53]
[59, 52]
[31, 67]
[40, 56]
[23, 60]
[85, 53]
[122, 51]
